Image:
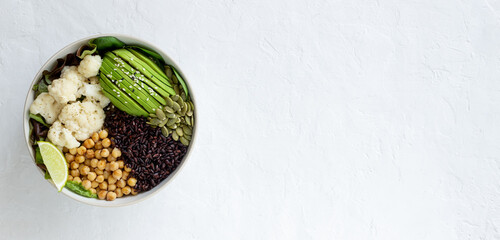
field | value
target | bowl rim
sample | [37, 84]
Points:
[91, 201]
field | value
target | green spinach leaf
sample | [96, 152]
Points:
[79, 189]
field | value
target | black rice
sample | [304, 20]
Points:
[151, 156]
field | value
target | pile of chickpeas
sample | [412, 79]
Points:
[98, 168]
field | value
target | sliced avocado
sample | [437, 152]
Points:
[123, 81]
[159, 79]
[157, 92]
[124, 102]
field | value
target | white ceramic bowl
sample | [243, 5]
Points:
[71, 48]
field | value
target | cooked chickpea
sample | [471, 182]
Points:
[112, 180]
[93, 163]
[119, 192]
[87, 162]
[118, 174]
[84, 178]
[95, 137]
[132, 181]
[111, 158]
[81, 150]
[104, 153]
[101, 164]
[106, 142]
[111, 196]
[107, 167]
[103, 134]
[84, 170]
[89, 143]
[126, 190]
[65, 150]
[121, 183]
[74, 165]
[72, 151]
[89, 153]
[98, 171]
[97, 154]
[125, 175]
[134, 192]
[102, 194]
[92, 190]
[94, 184]
[106, 174]
[69, 157]
[91, 176]
[121, 164]
[111, 187]
[77, 179]
[86, 184]
[127, 169]
[75, 173]
[98, 145]
[103, 185]
[116, 153]
[80, 159]
[70, 178]
[113, 166]
[99, 179]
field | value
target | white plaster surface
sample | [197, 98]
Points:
[317, 119]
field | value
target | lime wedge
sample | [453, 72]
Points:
[55, 163]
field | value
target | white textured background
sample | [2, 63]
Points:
[317, 119]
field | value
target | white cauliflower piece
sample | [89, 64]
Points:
[82, 119]
[93, 93]
[46, 106]
[89, 66]
[61, 136]
[64, 90]
[71, 73]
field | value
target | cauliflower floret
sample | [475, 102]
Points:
[46, 106]
[93, 93]
[71, 73]
[61, 136]
[82, 119]
[64, 90]
[89, 66]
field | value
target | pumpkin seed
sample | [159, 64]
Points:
[164, 131]
[174, 78]
[180, 101]
[187, 130]
[171, 115]
[168, 71]
[188, 137]
[169, 101]
[168, 109]
[155, 121]
[160, 114]
[188, 120]
[152, 115]
[178, 120]
[184, 141]
[175, 136]
[163, 123]
[176, 89]
[176, 106]
[184, 108]
[190, 113]
[175, 97]
[179, 132]
[171, 122]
